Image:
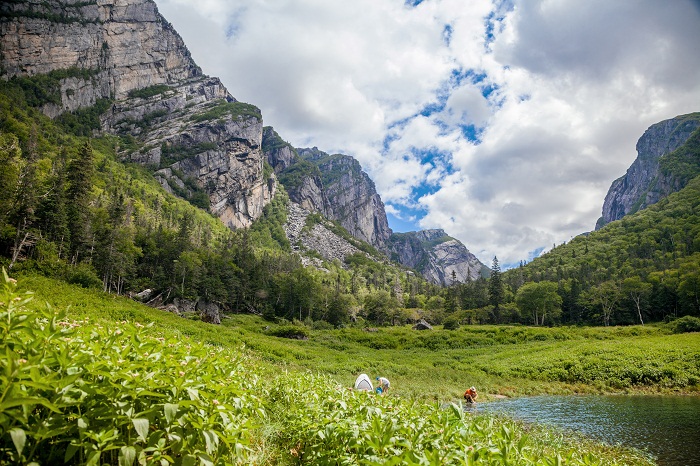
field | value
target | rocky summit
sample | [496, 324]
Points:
[645, 183]
[438, 257]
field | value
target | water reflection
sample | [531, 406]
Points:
[668, 427]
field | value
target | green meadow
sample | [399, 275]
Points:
[92, 378]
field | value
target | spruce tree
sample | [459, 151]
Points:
[496, 294]
[80, 175]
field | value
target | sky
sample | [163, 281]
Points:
[501, 122]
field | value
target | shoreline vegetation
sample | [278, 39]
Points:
[111, 381]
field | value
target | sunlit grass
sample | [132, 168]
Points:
[290, 398]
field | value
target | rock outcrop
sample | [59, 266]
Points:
[438, 257]
[119, 45]
[336, 187]
[316, 239]
[202, 144]
[352, 197]
[644, 183]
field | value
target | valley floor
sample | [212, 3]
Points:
[291, 400]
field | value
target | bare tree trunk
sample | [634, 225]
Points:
[17, 249]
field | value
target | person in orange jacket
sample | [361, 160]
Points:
[470, 395]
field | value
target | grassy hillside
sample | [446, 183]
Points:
[112, 382]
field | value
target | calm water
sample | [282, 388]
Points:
[668, 427]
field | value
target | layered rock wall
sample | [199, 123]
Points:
[126, 44]
[643, 184]
[188, 128]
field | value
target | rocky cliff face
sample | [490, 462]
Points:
[126, 44]
[336, 187]
[644, 184]
[200, 142]
[333, 185]
[352, 198]
[438, 257]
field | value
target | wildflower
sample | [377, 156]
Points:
[17, 299]
[181, 373]
[138, 325]
[183, 363]
[215, 402]
[22, 361]
[118, 332]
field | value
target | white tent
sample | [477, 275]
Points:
[363, 383]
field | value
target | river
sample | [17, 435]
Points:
[668, 427]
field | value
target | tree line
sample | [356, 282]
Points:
[70, 209]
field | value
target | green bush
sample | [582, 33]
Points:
[686, 324]
[450, 323]
[83, 275]
[290, 331]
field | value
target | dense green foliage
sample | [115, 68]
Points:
[149, 91]
[107, 389]
[42, 89]
[233, 109]
[73, 211]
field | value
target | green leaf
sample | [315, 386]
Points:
[71, 450]
[19, 438]
[94, 458]
[141, 426]
[205, 459]
[189, 460]
[170, 411]
[127, 456]
[212, 441]
[29, 400]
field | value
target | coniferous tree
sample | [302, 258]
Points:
[26, 199]
[80, 176]
[496, 293]
[52, 214]
[10, 153]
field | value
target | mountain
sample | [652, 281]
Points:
[336, 187]
[186, 127]
[438, 257]
[123, 65]
[667, 158]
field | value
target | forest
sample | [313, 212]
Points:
[71, 209]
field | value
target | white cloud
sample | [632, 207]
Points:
[559, 92]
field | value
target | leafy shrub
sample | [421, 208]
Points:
[686, 324]
[450, 323]
[83, 275]
[290, 331]
[81, 393]
[149, 91]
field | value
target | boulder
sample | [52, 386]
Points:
[209, 312]
[422, 325]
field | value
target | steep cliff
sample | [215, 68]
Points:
[201, 143]
[333, 185]
[438, 257]
[663, 154]
[336, 187]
